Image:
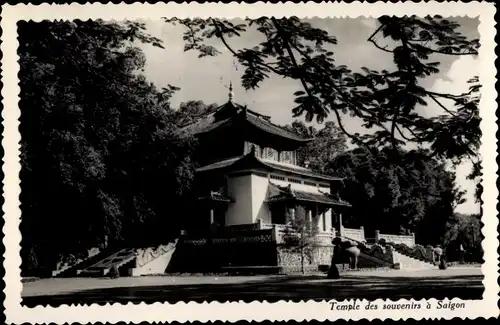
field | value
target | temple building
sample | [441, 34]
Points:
[248, 190]
[249, 175]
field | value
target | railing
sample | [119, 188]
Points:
[355, 234]
[326, 237]
[277, 226]
[396, 239]
[279, 231]
[244, 227]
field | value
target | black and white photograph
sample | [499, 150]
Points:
[252, 159]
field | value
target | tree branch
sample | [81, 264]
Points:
[376, 31]
[288, 46]
[446, 53]
[341, 126]
[450, 96]
[402, 135]
[286, 43]
[441, 105]
[357, 109]
[370, 39]
[236, 54]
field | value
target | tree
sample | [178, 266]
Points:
[301, 236]
[327, 143]
[190, 110]
[465, 230]
[394, 193]
[99, 142]
[385, 101]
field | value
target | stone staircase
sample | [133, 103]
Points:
[102, 268]
[400, 260]
[70, 270]
[368, 261]
[406, 262]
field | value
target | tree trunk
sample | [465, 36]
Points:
[302, 260]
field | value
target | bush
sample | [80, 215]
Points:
[362, 247]
[382, 242]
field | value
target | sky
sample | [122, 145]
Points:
[207, 79]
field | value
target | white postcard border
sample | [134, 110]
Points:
[257, 311]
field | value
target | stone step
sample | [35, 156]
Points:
[406, 262]
[103, 267]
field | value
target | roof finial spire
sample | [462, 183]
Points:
[231, 93]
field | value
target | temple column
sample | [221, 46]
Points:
[341, 228]
[292, 213]
[212, 218]
[316, 218]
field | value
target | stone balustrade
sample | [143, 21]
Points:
[351, 233]
[326, 237]
[323, 238]
[396, 239]
[244, 227]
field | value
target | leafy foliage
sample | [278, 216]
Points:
[190, 110]
[394, 194]
[98, 142]
[381, 172]
[328, 143]
[464, 230]
[386, 101]
[301, 235]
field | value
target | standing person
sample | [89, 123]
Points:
[333, 272]
[438, 253]
[440, 256]
[461, 252]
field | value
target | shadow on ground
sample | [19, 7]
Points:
[280, 288]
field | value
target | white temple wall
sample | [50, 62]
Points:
[240, 211]
[250, 193]
[260, 209]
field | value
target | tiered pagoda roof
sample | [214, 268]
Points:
[250, 161]
[215, 197]
[235, 115]
[287, 194]
[235, 120]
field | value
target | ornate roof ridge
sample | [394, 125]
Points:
[267, 119]
[258, 120]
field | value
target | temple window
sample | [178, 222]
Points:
[270, 154]
[286, 157]
[276, 177]
[295, 180]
